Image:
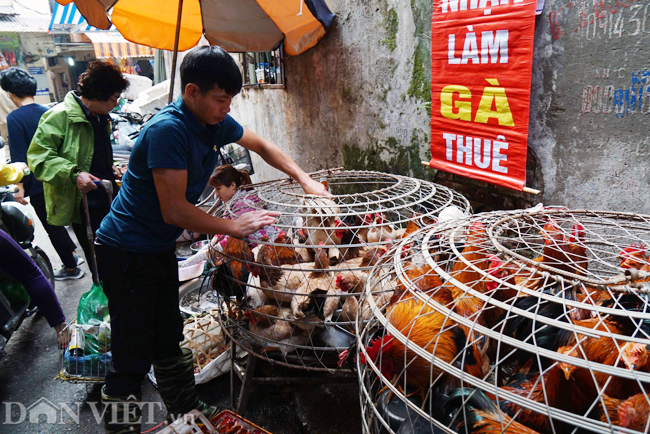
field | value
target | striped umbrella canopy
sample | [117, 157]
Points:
[235, 25]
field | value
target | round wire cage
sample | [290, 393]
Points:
[511, 322]
[292, 289]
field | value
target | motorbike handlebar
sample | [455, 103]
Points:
[9, 189]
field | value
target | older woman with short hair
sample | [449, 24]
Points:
[72, 148]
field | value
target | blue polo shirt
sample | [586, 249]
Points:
[173, 139]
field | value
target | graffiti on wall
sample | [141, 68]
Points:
[600, 19]
[629, 99]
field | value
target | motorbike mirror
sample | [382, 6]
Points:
[2, 142]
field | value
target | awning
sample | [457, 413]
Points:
[23, 24]
[112, 44]
[68, 18]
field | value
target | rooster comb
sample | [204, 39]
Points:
[634, 248]
[378, 345]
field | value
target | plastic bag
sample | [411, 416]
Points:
[93, 310]
[13, 290]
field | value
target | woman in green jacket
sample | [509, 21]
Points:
[72, 148]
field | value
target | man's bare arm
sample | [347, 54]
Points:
[177, 211]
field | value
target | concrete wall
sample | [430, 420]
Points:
[361, 98]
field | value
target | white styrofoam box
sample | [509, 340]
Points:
[190, 272]
[151, 100]
[137, 84]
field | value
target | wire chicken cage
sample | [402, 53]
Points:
[292, 290]
[517, 322]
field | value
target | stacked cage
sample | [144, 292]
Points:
[511, 322]
[291, 290]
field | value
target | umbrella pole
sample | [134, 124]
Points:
[175, 56]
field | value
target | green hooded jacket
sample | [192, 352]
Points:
[62, 146]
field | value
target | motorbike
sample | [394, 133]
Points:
[17, 221]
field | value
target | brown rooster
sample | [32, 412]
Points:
[634, 257]
[473, 412]
[564, 254]
[278, 255]
[431, 331]
[605, 350]
[466, 304]
[629, 413]
[542, 388]
[231, 276]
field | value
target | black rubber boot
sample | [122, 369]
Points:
[175, 377]
[122, 414]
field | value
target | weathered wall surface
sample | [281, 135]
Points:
[360, 98]
[589, 117]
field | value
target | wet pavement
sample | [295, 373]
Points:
[32, 401]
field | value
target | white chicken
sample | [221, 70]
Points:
[322, 222]
[381, 229]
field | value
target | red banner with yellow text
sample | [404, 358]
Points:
[481, 55]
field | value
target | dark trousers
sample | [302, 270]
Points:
[16, 262]
[96, 217]
[146, 324]
[59, 236]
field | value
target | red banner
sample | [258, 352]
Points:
[481, 55]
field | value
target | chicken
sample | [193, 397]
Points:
[605, 350]
[629, 413]
[568, 255]
[321, 221]
[559, 386]
[381, 294]
[634, 257]
[465, 303]
[320, 280]
[434, 333]
[255, 297]
[412, 226]
[363, 225]
[421, 276]
[271, 328]
[497, 269]
[278, 255]
[231, 276]
[473, 412]
[381, 229]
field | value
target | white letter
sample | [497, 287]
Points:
[447, 4]
[93, 408]
[483, 3]
[452, 50]
[473, 4]
[151, 410]
[470, 49]
[494, 44]
[65, 407]
[485, 162]
[450, 144]
[464, 150]
[497, 156]
[8, 419]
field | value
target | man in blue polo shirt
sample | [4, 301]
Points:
[169, 167]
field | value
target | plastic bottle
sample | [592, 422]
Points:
[77, 343]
